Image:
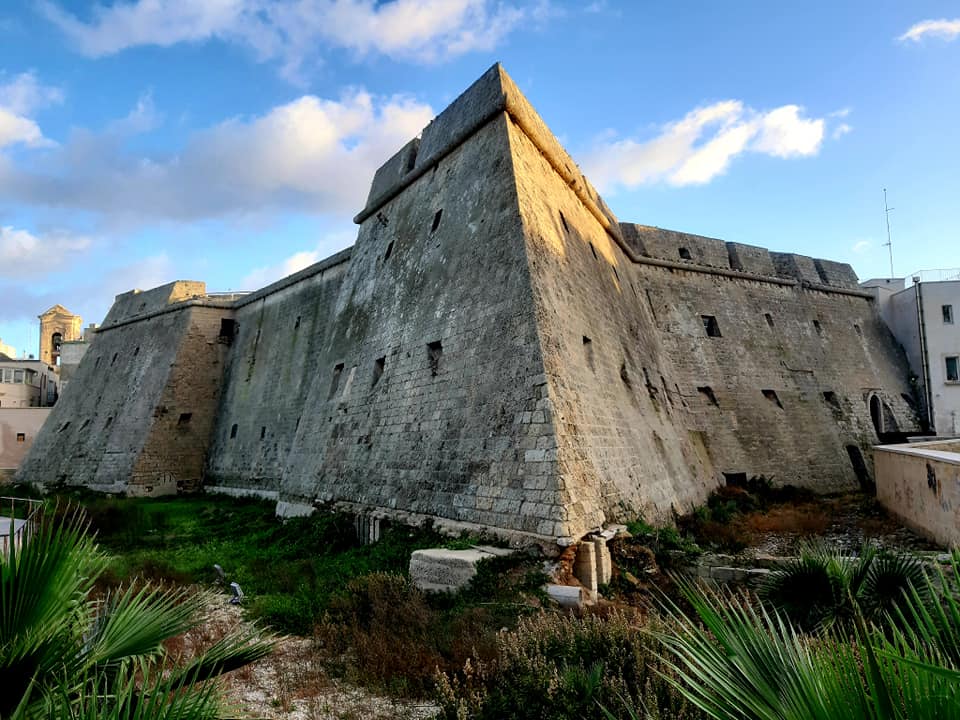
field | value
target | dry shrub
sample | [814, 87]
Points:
[560, 667]
[804, 520]
[385, 634]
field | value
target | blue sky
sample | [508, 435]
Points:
[231, 141]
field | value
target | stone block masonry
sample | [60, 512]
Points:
[496, 351]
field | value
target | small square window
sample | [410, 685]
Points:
[953, 369]
[21, 437]
[710, 325]
[947, 314]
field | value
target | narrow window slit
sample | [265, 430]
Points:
[771, 395]
[710, 325]
[335, 382]
[707, 392]
[434, 353]
[378, 367]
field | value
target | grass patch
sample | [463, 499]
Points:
[311, 576]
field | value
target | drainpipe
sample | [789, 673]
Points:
[928, 396]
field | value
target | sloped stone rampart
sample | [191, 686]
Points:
[496, 350]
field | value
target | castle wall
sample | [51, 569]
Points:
[623, 448]
[271, 364]
[757, 391]
[117, 427]
[427, 394]
[495, 350]
[172, 458]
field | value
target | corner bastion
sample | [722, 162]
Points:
[497, 350]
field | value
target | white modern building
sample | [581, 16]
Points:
[922, 312]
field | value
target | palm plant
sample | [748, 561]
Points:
[745, 662]
[821, 587]
[65, 654]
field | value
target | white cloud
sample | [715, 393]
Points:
[263, 276]
[23, 253]
[701, 145]
[312, 155]
[18, 98]
[840, 130]
[946, 29]
[861, 246]
[292, 31]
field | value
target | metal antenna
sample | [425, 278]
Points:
[889, 243]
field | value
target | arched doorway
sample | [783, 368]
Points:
[876, 414]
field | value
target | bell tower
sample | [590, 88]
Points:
[57, 326]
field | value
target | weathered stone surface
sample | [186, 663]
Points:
[442, 570]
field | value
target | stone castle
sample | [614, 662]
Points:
[496, 350]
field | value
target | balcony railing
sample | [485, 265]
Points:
[18, 519]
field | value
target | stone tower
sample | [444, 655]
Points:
[57, 325]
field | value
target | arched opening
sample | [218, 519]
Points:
[56, 342]
[876, 414]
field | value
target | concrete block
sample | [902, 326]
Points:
[604, 562]
[567, 596]
[442, 570]
[585, 566]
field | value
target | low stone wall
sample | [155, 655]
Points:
[920, 484]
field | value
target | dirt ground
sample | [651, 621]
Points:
[291, 683]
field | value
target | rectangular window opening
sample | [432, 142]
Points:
[386, 255]
[108, 422]
[434, 352]
[378, 365]
[707, 392]
[436, 220]
[710, 325]
[335, 382]
[184, 419]
[769, 318]
[831, 399]
[594, 251]
[817, 327]
[64, 426]
[684, 254]
[21, 437]
[233, 431]
[228, 330]
[296, 323]
[771, 395]
[263, 431]
[953, 369]
[947, 311]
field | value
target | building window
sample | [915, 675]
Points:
[947, 314]
[710, 325]
[953, 369]
[21, 437]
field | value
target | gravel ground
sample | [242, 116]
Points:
[291, 682]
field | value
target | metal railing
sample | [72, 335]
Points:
[936, 275]
[18, 519]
